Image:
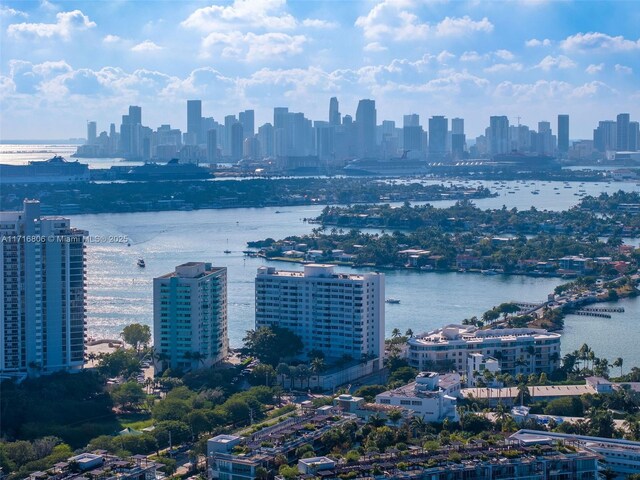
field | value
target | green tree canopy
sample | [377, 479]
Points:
[137, 335]
[270, 344]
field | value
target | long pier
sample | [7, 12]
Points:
[591, 314]
[603, 309]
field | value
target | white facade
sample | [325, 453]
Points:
[336, 313]
[42, 274]
[477, 365]
[431, 396]
[190, 316]
[519, 350]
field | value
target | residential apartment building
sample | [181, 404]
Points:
[622, 457]
[431, 396]
[43, 279]
[518, 350]
[340, 314]
[190, 316]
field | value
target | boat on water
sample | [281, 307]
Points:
[392, 300]
[227, 251]
[141, 263]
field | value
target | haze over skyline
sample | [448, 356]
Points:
[63, 63]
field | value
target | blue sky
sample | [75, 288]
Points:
[62, 63]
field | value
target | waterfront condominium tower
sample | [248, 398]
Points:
[190, 316]
[340, 314]
[42, 273]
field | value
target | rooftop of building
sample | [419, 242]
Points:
[592, 442]
[546, 391]
[313, 270]
[470, 334]
[421, 389]
[193, 270]
[224, 438]
[471, 456]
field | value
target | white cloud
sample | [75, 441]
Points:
[593, 68]
[12, 12]
[294, 83]
[146, 47]
[265, 14]
[66, 24]
[623, 69]
[395, 20]
[252, 46]
[504, 54]
[450, 26]
[504, 67]
[596, 41]
[444, 56]
[561, 62]
[472, 56]
[534, 42]
[111, 39]
[317, 23]
[545, 90]
[374, 47]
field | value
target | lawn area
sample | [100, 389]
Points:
[136, 421]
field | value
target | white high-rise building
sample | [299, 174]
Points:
[340, 314]
[42, 273]
[190, 316]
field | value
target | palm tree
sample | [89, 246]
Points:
[524, 396]
[304, 372]
[317, 366]
[618, 362]
[376, 420]
[395, 333]
[394, 415]
[418, 424]
[284, 371]
[409, 333]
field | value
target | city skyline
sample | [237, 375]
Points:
[64, 63]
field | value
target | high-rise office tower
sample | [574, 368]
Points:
[458, 139]
[324, 135]
[605, 137]
[247, 119]
[334, 112]
[92, 134]
[634, 136]
[340, 314]
[190, 316]
[563, 133]
[237, 138]
[457, 126]
[366, 128]
[412, 120]
[212, 145]
[438, 128]
[546, 140]
[412, 137]
[498, 135]
[194, 121]
[135, 115]
[266, 139]
[622, 132]
[43, 293]
[229, 120]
